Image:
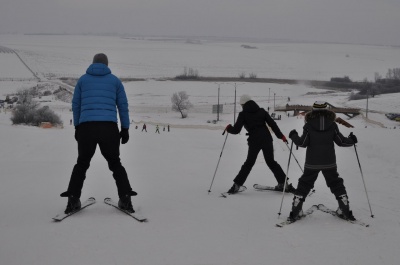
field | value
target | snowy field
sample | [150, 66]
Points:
[156, 57]
[172, 171]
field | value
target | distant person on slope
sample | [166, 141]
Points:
[255, 120]
[319, 135]
[97, 97]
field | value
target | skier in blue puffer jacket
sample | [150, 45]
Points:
[97, 97]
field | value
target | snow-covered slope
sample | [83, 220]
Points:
[172, 173]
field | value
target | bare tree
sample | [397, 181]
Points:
[180, 102]
[188, 73]
[393, 73]
[377, 76]
[28, 111]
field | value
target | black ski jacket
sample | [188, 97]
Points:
[319, 135]
[253, 118]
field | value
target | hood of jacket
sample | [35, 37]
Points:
[250, 107]
[98, 69]
[320, 120]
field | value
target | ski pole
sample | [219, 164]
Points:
[280, 145]
[287, 173]
[362, 176]
[295, 157]
[226, 137]
[313, 190]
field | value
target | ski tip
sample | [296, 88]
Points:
[107, 199]
[92, 199]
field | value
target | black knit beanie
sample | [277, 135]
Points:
[100, 58]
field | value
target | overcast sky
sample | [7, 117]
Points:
[347, 21]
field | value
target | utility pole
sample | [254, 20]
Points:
[234, 108]
[234, 103]
[218, 103]
[367, 104]
[269, 94]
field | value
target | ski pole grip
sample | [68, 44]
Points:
[223, 132]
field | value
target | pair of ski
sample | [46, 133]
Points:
[322, 208]
[91, 201]
[255, 186]
[260, 187]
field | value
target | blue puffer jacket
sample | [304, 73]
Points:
[97, 96]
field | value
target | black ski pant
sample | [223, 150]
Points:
[333, 181]
[106, 135]
[268, 152]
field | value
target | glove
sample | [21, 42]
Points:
[124, 135]
[228, 126]
[353, 137]
[76, 133]
[292, 132]
[284, 139]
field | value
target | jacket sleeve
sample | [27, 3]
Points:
[235, 129]
[302, 141]
[76, 103]
[271, 123]
[122, 105]
[340, 140]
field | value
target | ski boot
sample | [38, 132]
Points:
[234, 189]
[74, 203]
[297, 206]
[344, 209]
[289, 187]
[125, 202]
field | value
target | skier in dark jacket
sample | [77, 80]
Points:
[97, 97]
[319, 135]
[255, 120]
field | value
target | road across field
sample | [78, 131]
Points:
[8, 50]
